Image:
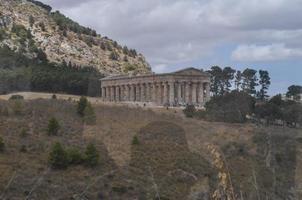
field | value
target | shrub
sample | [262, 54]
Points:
[89, 115]
[2, 145]
[17, 107]
[58, 158]
[23, 149]
[81, 106]
[54, 96]
[53, 126]
[74, 156]
[135, 140]
[16, 97]
[91, 156]
[23, 133]
[189, 111]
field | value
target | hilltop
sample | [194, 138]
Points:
[29, 27]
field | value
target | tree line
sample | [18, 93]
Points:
[223, 80]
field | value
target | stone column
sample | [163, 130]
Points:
[200, 94]
[107, 93]
[103, 93]
[113, 93]
[138, 93]
[194, 93]
[117, 93]
[127, 93]
[187, 93]
[132, 92]
[160, 93]
[208, 96]
[171, 94]
[179, 98]
[147, 97]
[165, 94]
[153, 93]
[143, 93]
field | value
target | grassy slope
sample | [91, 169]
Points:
[245, 149]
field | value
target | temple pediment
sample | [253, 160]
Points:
[190, 71]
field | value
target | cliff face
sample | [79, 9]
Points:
[27, 26]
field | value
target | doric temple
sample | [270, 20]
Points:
[188, 86]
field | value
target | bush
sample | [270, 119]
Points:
[54, 96]
[81, 106]
[91, 156]
[53, 126]
[23, 149]
[16, 97]
[23, 133]
[2, 145]
[17, 107]
[89, 115]
[189, 111]
[74, 156]
[58, 158]
[135, 140]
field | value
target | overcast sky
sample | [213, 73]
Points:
[174, 34]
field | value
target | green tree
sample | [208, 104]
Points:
[264, 82]
[82, 104]
[249, 83]
[294, 91]
[238, 80]
[189, 111]
[135, 140]
[114, 56]
[216, 80]
[89, 115]
[58, 158]
[31, 21]
[74, 156]
[53, 126]
[227, 77]
[2, 145]
[293, 114]
[91, 155]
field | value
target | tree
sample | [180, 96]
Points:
[264, 82]
[114, 56]
[2, 145]
[31, 21]
[227, 77]
[53, 126]
[216, 80]
[135, 140]
[41, 56]
[294, 91]
[81, 106]
[238, 80]
[293, 113]
[91, 155]
[189, 111]
[58, 158]
[249, 83]
[89, 115]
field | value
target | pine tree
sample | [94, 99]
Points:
[53, 126]
[264, 82]
[91, 155]
[58, 158]
[81, 106]
[238, 80]
[249, 77]
[89, 115]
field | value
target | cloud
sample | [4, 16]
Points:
[170, 32]
[264, 52]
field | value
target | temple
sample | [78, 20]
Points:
[187, 86]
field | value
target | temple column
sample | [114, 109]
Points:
[194, 93]
[117, 93]
[127, 93]
[171, 94]
[165, 94]
[132, 92]
[138, 91]
[154, 92]
[160, 95]
[103, 93]
[179, 99]
[147, 99]
[187, 93]
[208, 96]
[107, 93]
[200, 94]
[143, 93]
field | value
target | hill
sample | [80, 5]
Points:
[29, 26]
[172, 157]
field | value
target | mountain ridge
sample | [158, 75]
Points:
[28, 25]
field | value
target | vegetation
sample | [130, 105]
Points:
[91, 156]
[89, 115]
[75, 157]
[16, 97]
[2, 145]
[42, 5]
[294, 91]
[53, 126]
[82, 104]
[18, 73]
[58, 158]
[135, 140]
[189, 111]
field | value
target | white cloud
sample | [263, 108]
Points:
[174, 31]
[264, 52]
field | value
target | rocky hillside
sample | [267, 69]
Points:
[30, 26]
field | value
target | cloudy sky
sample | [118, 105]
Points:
[173, 34]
